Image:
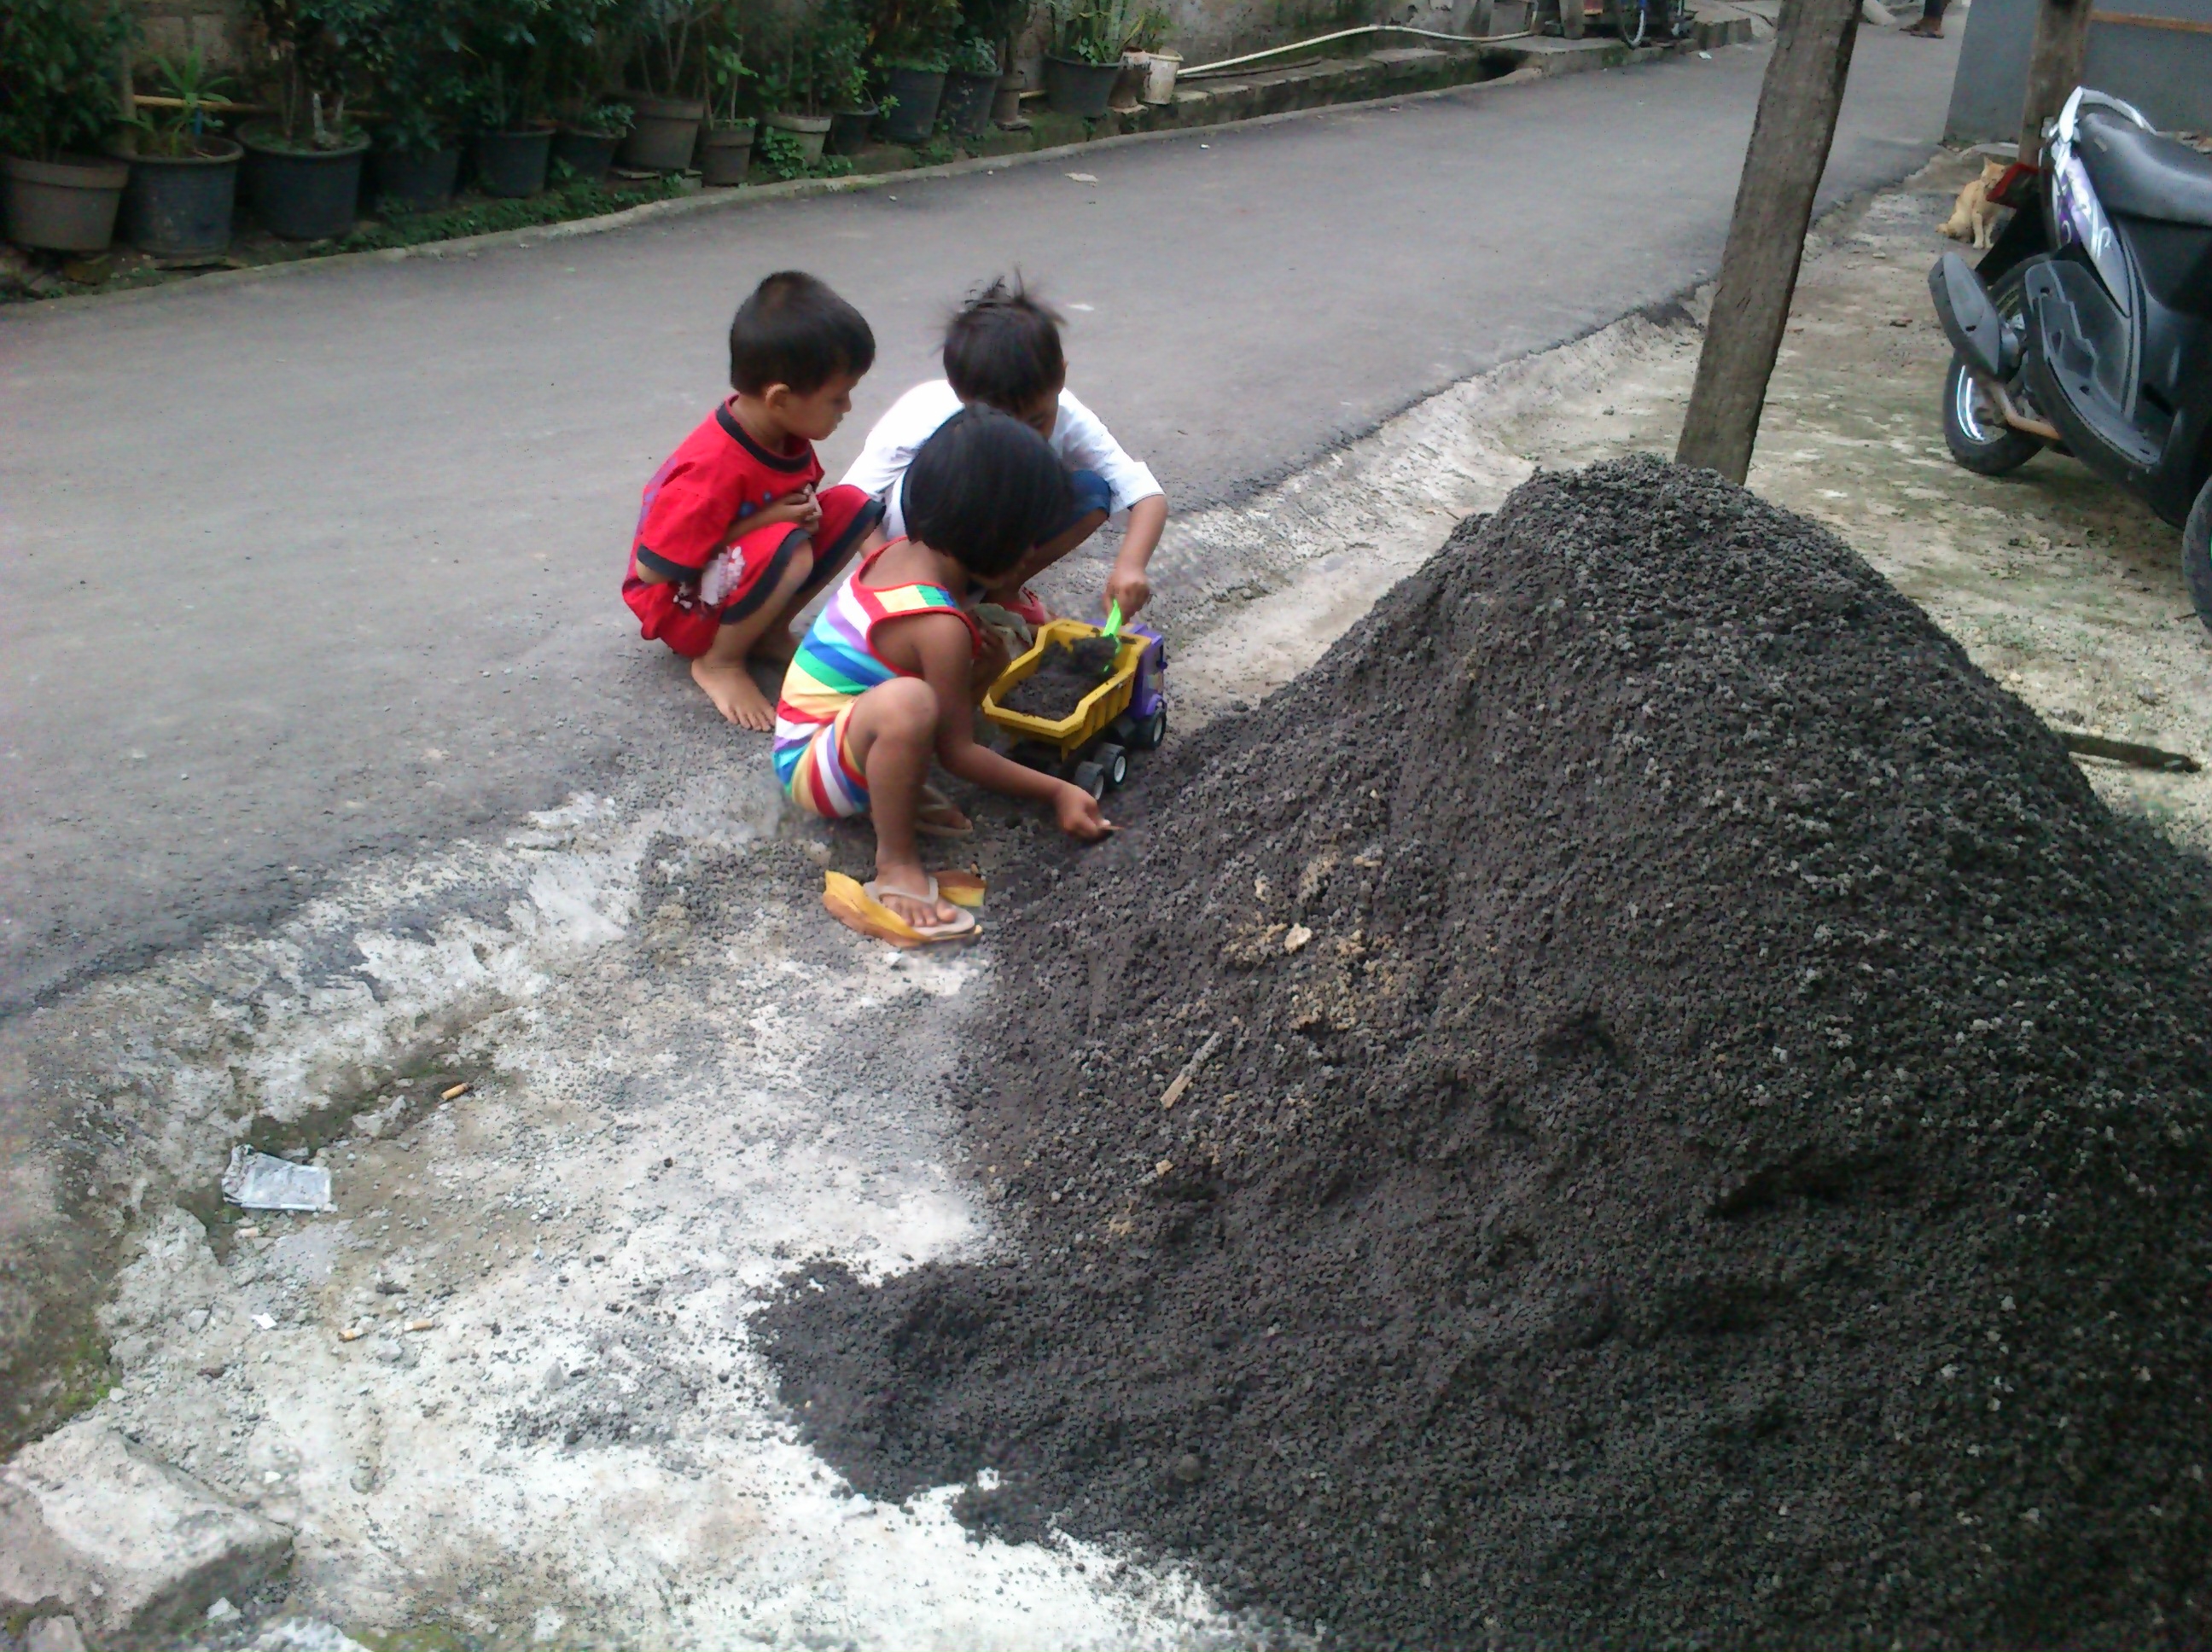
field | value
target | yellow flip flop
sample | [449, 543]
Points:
[855, 906]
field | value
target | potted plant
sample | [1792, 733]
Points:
[1083, 56]
[667, 104]
[726, 143]
[991, 26]
[913, 41]
[512, 142]
[1161, 66]
[582, 41]
[422, 90]
[184, 176]
[823, 70]
[841, 53]
[303, 169]
[587, 139]
[57, 108]
[969, 85]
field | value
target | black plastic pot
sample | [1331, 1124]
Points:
[407, 181]
[511, 164]
[913, 94]
[848, 129]
[179, 206]
[303, 195]
[966, 108]
[1072, 88]
[587, 155]
[726, 153]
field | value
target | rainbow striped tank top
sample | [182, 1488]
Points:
[837, 663]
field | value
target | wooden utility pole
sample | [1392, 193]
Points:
[2054, 68]
[1789, 141]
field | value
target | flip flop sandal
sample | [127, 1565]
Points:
[962, 889]
[855, 906]
[931, 798]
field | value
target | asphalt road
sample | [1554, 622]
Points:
[306, 568]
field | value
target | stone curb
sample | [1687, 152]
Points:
[1545, 61]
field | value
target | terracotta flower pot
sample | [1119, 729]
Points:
[67, 205]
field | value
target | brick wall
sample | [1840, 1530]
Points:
[219, 28]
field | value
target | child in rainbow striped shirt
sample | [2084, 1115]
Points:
[890, 674]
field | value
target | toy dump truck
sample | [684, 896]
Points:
[1091, 746]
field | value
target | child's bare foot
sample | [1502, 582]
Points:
[735, 694]
[917, 908]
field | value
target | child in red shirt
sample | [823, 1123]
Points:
[733, 537]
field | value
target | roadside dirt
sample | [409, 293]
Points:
[1641, 1100]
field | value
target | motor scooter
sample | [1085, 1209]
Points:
[2087, 328]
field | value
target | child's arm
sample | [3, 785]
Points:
[1127, 583]
[942, 648]
[1087, 445]
[800, 507]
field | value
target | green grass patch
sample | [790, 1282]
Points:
[559, 205]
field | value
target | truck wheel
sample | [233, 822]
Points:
[1091, 777]
[1154, 730]
[1975, 431]
[1113, 762]
[2197, 553]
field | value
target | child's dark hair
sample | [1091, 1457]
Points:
[985, 490]
[794, 330]
[1003, 349]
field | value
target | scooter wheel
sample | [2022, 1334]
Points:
[1976, 432]
[2197, 553]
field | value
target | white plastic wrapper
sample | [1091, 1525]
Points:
[262, 1183]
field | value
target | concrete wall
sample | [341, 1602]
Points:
[2167, 73]
[1201, 30]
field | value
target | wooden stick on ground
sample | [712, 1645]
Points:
[1789, 141]
[2127, 751]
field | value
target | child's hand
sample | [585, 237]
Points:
[990, 662]
[802, 509]
[1078, 815]
[1129, 587]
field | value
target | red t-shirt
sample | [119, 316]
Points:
[698, 501]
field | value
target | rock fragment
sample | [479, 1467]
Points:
[134, 1549]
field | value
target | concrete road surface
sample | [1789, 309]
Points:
[303, 568]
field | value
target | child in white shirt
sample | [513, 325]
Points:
[1003, 350]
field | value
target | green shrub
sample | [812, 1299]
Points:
[58, 62]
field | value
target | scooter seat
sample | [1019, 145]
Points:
[2144, 175]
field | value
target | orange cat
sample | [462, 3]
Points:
[1975, 214]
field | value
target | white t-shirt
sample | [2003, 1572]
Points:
[1081, 441]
